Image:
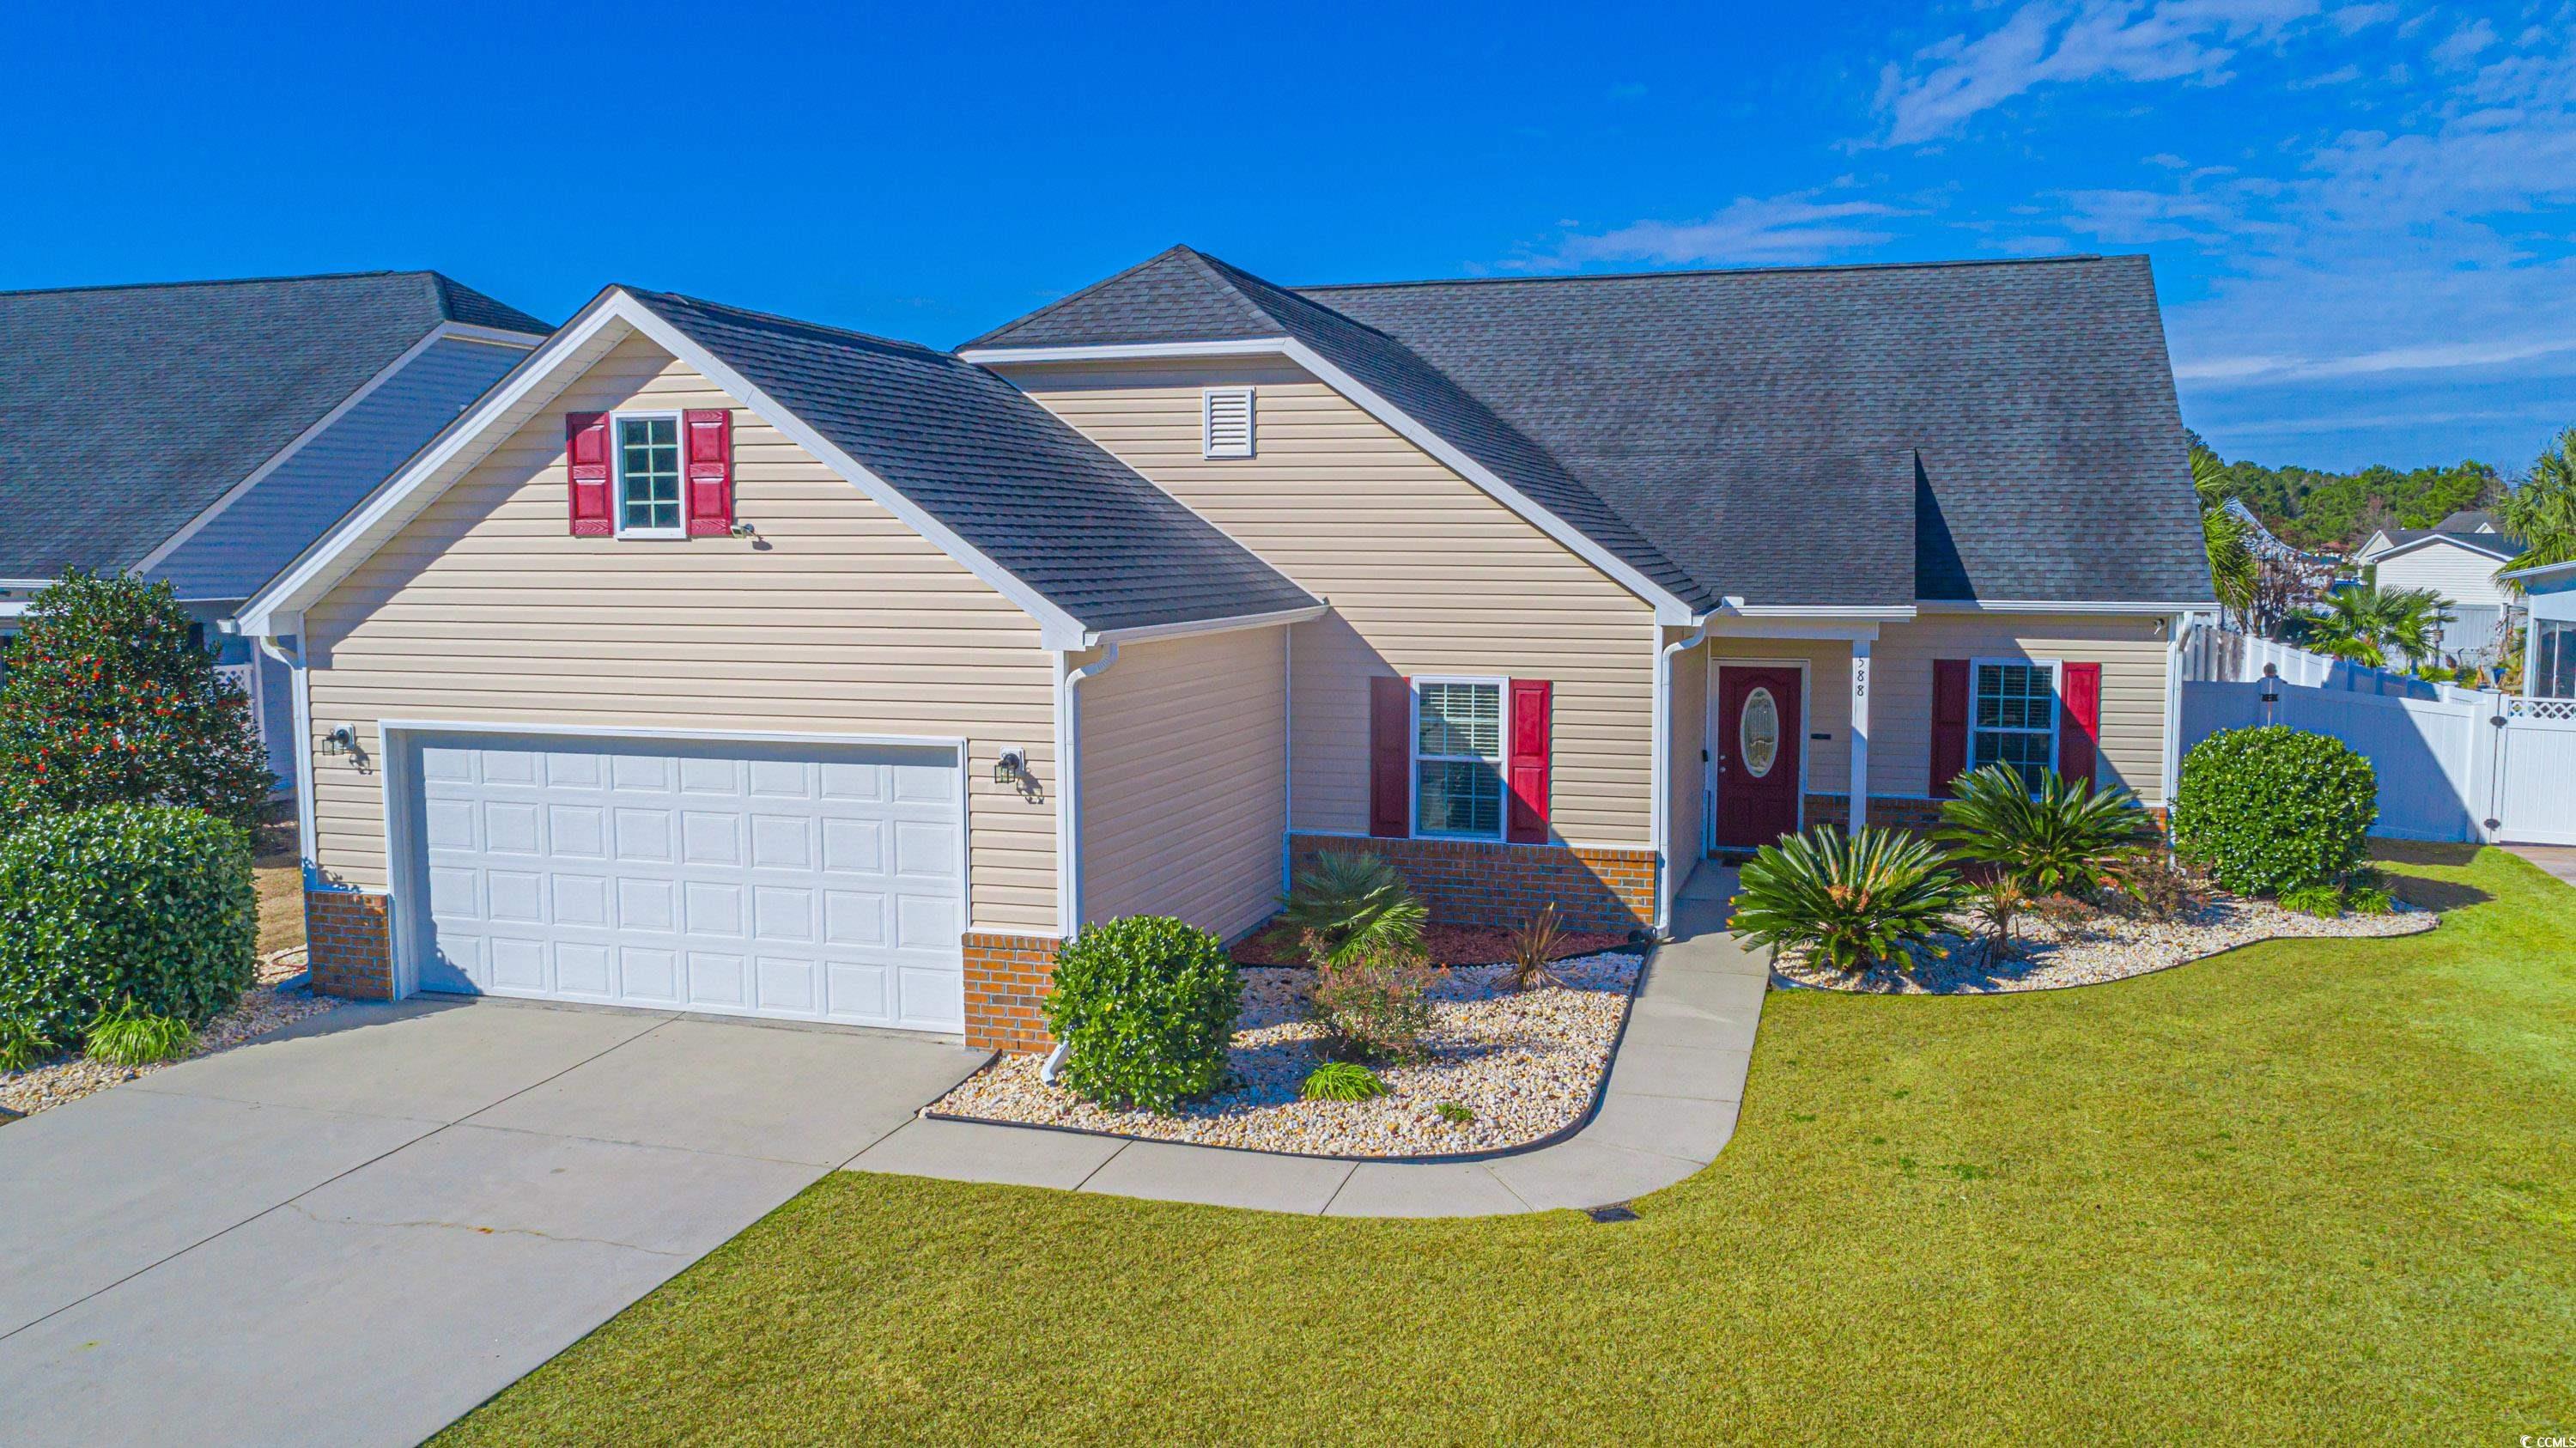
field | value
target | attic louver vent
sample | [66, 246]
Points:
[1225, 422]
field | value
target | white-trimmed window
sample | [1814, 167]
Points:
[646, 446]
[1225, 422]
[2550, 670]
[1458, 733]
[2012, 716]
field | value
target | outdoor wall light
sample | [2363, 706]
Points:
[1011, 768]
[343, 740]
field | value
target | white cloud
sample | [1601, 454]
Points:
[2465, 45]
[2354, 19]
[2048, 42]
[1747, 231]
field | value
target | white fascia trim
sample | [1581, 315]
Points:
[334, 557]
[1889, 613]
[1195, 627]
[1128, 351]
[2454, 539]
[445, 331]
[2021, 605]
[1668, 609]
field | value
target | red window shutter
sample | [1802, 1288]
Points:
[586, 454]
[1533, 708]
[710, 469]
[2079, 720]
[1949, 723]
[1390, 758]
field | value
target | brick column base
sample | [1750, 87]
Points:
[348, 938]
[1477, 882]
[1006, 985]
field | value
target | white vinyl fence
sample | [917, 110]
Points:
[2453, 764]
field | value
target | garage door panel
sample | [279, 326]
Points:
[816, 883]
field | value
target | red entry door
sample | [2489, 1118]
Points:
[1757, 739]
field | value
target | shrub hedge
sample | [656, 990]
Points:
[2268, 810]
[147, 906]
[1144, 1007]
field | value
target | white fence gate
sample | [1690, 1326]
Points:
[2453, 764]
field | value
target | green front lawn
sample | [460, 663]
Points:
[2314, 1191]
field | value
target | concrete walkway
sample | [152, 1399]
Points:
[1674, 1088]
[2559, 860]
[356, 1230]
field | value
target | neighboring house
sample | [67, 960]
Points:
[725, 662]
[207, 432]
[2456, 558]
[2549, 646]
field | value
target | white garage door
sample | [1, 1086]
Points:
[799, 881]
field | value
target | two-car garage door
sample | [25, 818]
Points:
[800, 881]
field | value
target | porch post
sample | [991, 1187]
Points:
[1859, 734]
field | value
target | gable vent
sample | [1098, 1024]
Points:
[1225, 422]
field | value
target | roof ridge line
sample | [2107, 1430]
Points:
[853, 333]
[1720, 271]
[229, 282]
[1069, 298]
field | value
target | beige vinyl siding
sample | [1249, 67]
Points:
[1426, 574]
[1184, 780]
[2133, 689]
[839, 619]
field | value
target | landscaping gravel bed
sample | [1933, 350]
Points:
[2098, 948]
[1527, 1064]
[270, 1003]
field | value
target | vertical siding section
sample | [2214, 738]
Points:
[1184, 780]
[839, 619]
[1685, 798]
[1425, 572]
[2133, 690]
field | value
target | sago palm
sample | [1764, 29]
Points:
[2063, 839]
[1847, 902]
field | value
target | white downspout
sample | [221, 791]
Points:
[1068, 808]
[1659, 804]
[300, 697]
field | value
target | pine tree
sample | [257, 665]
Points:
[106, 701]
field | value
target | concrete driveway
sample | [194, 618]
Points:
[356, 1230]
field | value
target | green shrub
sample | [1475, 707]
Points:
[1848, 903]
[2323, 901]
[2369, 900]
[2062, 840]
[1341, 1081]
[106, 701]
[1456, 1113]
[125, 1036]
[1371, 1006]
[143, 903]
[1145, 1006]
[2270, 809]
[1346, 903]
[21, 1048]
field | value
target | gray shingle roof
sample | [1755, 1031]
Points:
[1017, 484]
[125, 411]
[1833, 436]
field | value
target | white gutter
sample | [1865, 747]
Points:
[1068, 786]
[1659, 803]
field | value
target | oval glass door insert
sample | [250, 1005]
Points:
[1757, 732]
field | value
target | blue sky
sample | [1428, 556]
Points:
[2363, 215]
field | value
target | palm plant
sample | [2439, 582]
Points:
[2233, 568]
[1348, 904]
[2062, 839]
[1996, 907]
[1847, 902]
[2542, 511]
[2371, 625]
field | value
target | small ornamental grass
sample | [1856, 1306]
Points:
[2271, 809]
[2063, 839]
[1847, 902]
[2323, 901]
[150, 905]
[1341, 1081]
[1145, 1006]
[125, 1036]
[21, 1049]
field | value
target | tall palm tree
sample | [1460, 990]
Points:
[2372, 625]
[2232, 565]
[2542, 512]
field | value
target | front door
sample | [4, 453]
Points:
[1755, 735]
